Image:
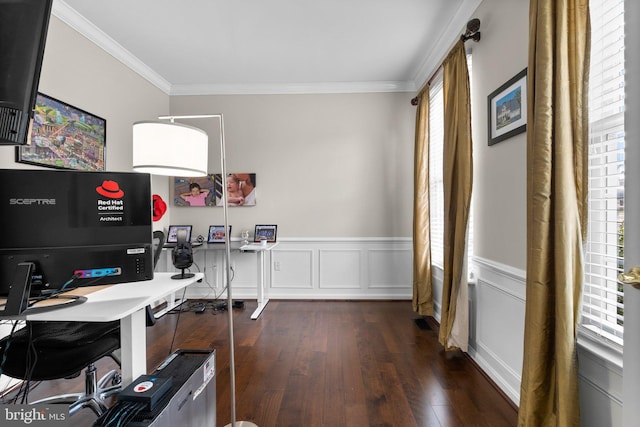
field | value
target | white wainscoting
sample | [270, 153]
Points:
[600, 386]
[313, 268]
[496, 322]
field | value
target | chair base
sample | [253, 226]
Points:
[95, 394]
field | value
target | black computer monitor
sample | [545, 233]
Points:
[172, 234]
[23, 34]
[77, 228]
[216, 234]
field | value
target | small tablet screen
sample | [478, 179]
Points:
[172, 234]
[216, 234]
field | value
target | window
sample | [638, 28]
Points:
[436, 191]
[603, 299]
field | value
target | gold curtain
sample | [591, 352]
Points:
[557, 145]
[458, 182]
[422, 284]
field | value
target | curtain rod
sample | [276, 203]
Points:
[414, 100]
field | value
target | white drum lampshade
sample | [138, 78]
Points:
[171, 149]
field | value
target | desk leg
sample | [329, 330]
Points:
[169, 300]
[262, 299]
[133, 344]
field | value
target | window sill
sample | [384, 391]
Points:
[608, 351]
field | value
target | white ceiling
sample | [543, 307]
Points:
[273, 46]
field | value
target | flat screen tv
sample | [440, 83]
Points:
[23, 33]
[78, 228]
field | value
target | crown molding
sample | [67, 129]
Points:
[447, 39]
[292, 88]
[72, 18]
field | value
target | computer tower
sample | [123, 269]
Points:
[191, 401]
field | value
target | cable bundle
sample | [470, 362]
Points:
[120, 414]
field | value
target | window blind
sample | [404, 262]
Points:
[436, 177]
[436, 191]
[603, 299]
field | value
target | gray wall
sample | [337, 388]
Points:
[499, 170]
[333, 165]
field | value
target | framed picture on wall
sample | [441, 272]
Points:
[265, 232]
[194, 191]
[241, 189]
[507, 109]
[64, 137]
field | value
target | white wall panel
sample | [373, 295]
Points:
[390, 268]
[499, 334]
[245, 270]
[314, 268]
[340, 269]
[601, 387]
[498, 300]
[292, 269]
[502, 328]
[498, 323]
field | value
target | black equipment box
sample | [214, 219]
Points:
[191, 401]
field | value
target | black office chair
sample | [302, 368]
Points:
[158, 242]
[56, 350]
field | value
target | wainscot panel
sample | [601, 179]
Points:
[314, 268]
[600, 384]
[497, 311]
[339, 269]
[498, 321]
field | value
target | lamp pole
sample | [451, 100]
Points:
[227, 241]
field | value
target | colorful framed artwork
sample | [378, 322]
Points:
[241, 189]
[64, 137]
[195, 191]
[507, 109]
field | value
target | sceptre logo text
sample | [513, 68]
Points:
[32, 201]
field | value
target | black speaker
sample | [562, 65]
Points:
[182, 256]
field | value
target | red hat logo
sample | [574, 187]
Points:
[110, 189]
[159, 207]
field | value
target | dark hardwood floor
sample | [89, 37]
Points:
[331, 364]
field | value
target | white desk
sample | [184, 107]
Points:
[125, 302]
[260, 249]
[170, 299]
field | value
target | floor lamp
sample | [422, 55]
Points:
[174, 149]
